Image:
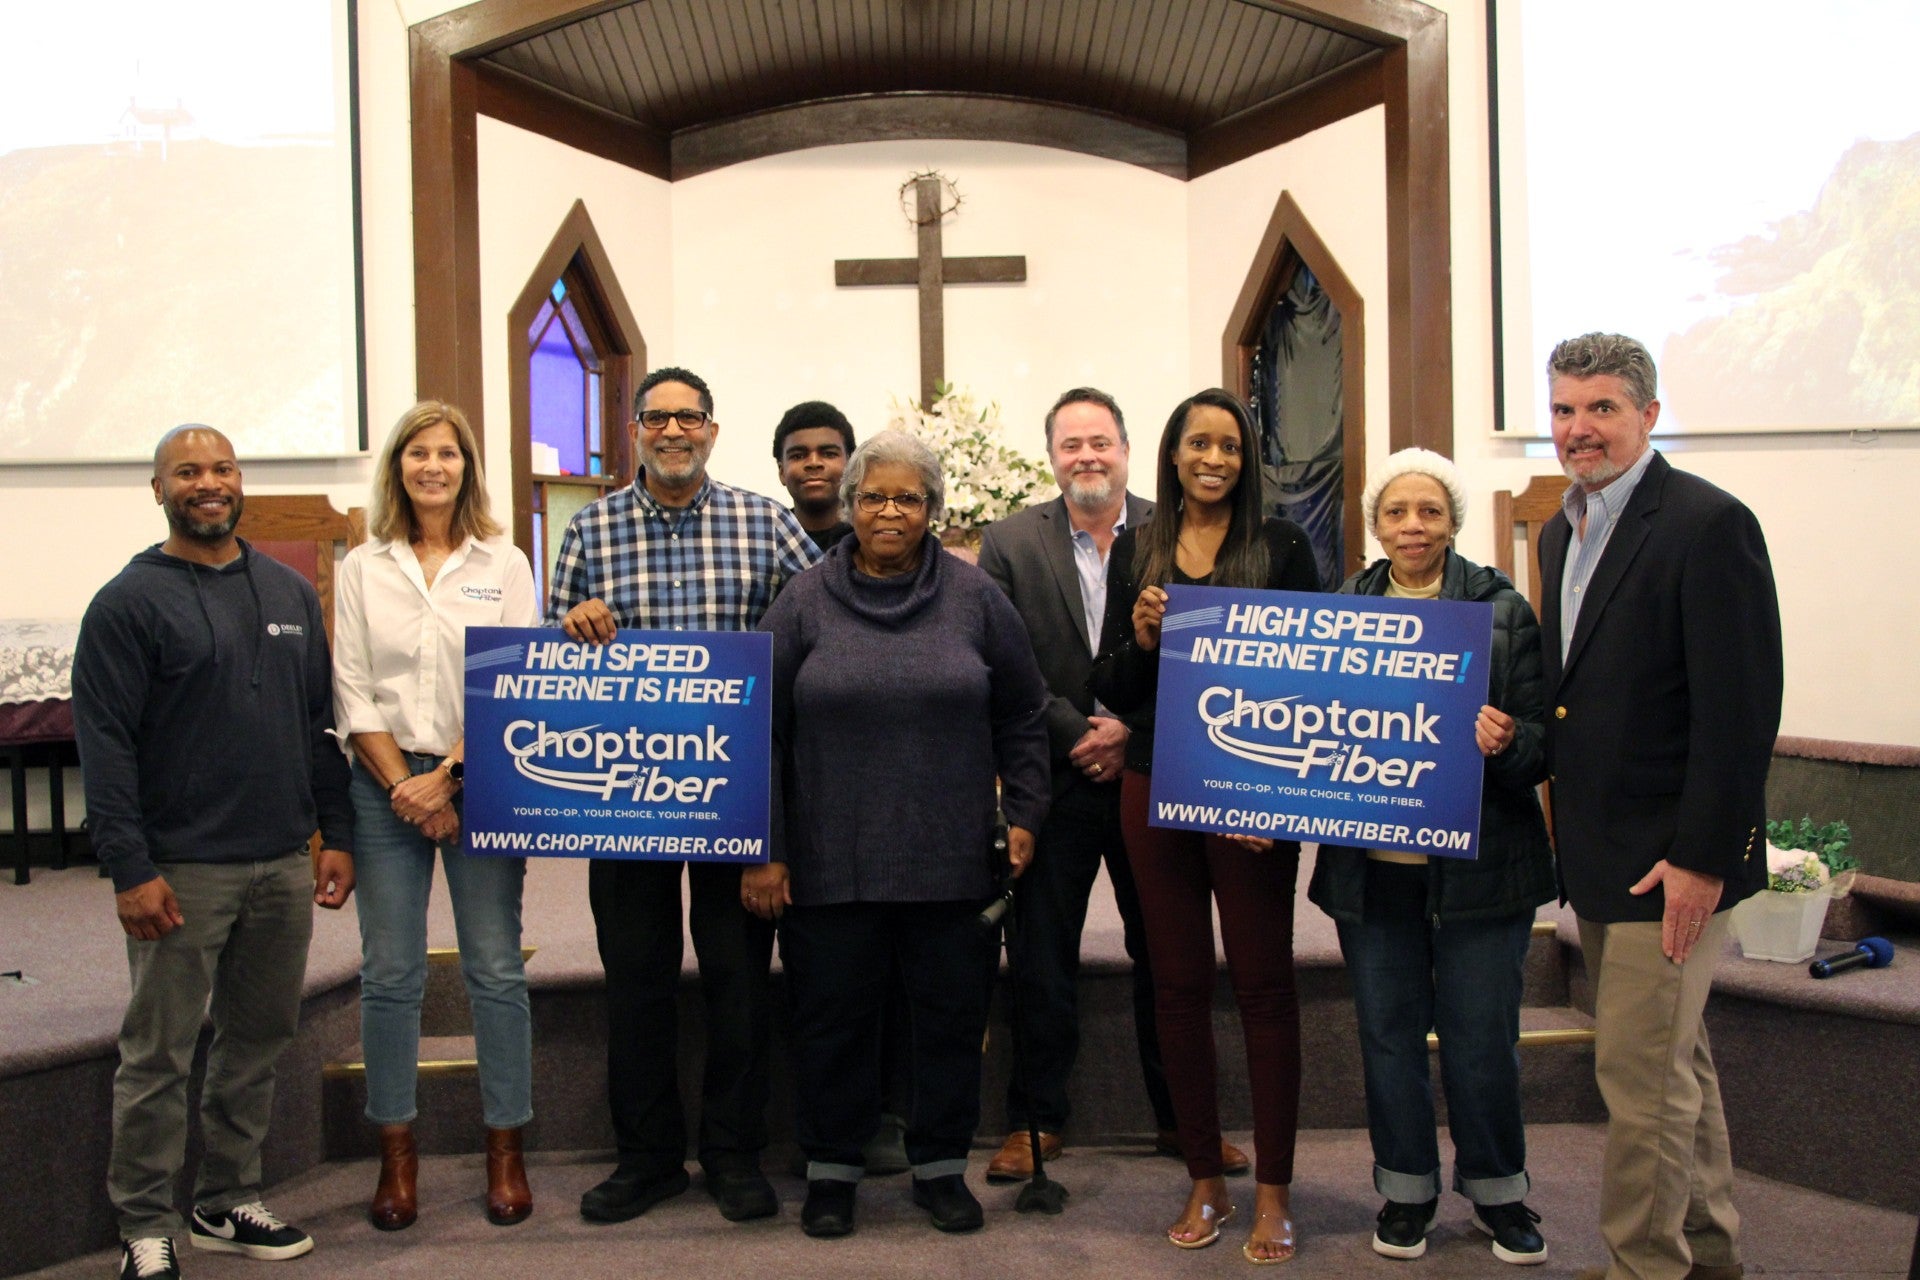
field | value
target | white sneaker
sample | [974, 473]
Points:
[148, 1259]
[250, 1229]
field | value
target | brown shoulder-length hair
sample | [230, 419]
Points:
[390, 514]
[1242, 561]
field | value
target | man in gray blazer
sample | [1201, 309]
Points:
[1051, 560]
[1661, 634]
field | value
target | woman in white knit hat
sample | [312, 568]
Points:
[1439, 944]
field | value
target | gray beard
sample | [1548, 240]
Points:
[1090, 498]
[1607, 470]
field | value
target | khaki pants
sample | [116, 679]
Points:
[242, 954]
[1666, 1188]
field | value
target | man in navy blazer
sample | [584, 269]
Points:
[1661, 633]
[1051, 561]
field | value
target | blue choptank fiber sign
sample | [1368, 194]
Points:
[1342, 719]
[653, 746]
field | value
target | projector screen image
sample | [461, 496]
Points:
[1737, 188]
[176, 229]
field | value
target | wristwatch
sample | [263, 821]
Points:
[456, 771]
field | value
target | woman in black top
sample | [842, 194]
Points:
[1210, 529]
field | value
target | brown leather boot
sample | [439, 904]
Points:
[396, 1201]
[509, 1198]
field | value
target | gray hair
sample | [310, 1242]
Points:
[895, 446]
[1593, 355]
[1415, 462]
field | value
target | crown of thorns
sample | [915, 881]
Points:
[950, 198]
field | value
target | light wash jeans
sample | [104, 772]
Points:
[393, 869]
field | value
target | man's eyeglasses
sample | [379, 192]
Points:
[874, 503]
[689, 419]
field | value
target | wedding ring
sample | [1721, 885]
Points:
[1095, 769]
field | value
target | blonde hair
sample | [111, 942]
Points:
[390, 513]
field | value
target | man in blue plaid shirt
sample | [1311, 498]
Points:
[677, 551]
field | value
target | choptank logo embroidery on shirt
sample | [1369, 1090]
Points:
[285, 629]
[489, 594]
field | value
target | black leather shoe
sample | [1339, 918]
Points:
[742, 1194]
[628, 1194]
[951, 1205]
[828, 1211]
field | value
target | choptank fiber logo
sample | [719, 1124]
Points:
[611, 763]
[1287, 733]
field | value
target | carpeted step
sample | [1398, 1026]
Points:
[443, 1009]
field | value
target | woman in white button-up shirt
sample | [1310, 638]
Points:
[437, 564]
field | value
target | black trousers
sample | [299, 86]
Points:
[837, 959]
[1081, 829]
[637, 917]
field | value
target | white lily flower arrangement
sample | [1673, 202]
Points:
[987, 479]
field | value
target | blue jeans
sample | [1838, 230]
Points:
[1462, 980]
[393, 870]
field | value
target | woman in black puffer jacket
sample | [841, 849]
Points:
[1439, 943]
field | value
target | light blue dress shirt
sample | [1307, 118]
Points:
[1091, 564]
[1593, 517]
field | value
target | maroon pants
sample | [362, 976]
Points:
[1181, 875]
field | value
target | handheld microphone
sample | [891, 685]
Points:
[1869, 953]
[995, 911]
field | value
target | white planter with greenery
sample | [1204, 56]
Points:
[1782, 922]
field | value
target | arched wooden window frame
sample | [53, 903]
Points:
[576, 252]
[1289, 243]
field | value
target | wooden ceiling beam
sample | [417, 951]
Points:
[475, 30]
[1335, 96]
[880, 117]
[1379, 22]
[532, 106]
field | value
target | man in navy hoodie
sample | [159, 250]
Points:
[203, 705]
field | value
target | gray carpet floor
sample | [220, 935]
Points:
[1121, 1201]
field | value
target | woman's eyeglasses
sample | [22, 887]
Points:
[874, 503]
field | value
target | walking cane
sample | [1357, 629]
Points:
[1041, 1195]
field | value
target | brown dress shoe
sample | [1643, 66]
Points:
[1015, 1161]
[509, 1198]
[1233, 1161]
[396, 1201]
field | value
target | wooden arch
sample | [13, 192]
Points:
[575, 245]
[1408, 77]
[1289, 243]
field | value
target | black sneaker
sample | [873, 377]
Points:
[247, 1228]
[1511, 1226]
[1402, 1229]
[148, 1259]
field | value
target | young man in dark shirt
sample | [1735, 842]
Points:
[811, 447]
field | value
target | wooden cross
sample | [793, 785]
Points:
[931, 273]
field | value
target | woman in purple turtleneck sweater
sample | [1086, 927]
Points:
[903, 683]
